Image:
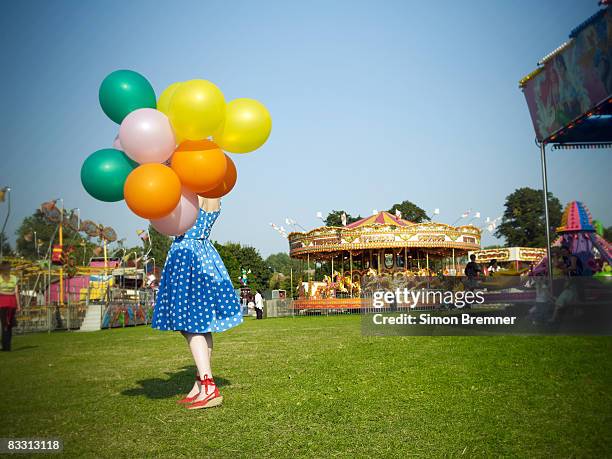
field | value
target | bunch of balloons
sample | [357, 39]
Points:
[169, 151]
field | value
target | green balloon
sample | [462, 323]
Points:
[599, 228]
[124, 91]
[104, 172]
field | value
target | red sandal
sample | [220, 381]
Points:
[185, 400]
[212, 399]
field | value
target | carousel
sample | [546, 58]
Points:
[376, 250]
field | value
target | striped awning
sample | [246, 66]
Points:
[381, 218]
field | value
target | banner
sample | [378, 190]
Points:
[574, 81]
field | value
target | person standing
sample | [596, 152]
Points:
[9, 304]
[493, 268]
[259, 305]
[472, 270]
[196, 297]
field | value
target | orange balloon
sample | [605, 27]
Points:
[200, 164]
[226, 185]
[152, 190]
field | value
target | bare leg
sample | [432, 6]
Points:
[209, 345]
[201, 350]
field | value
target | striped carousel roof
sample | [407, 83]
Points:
[381, 218]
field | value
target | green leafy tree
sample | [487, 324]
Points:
[250, 259]
[282, 266]
[410, 211]
[228, 253]
[282, 263]
[523, 223]
[334, 218]
[160, 244]
[239, 257]
[607, 234]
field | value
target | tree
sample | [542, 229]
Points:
[237, 257]
[250, 259]
[523, 223]
[607, 233]
[410, 211]
[282, 263]
[228, 254]
[334, 218]
[160, 244]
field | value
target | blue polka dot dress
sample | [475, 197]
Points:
[195, 291]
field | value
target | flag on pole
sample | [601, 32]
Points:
[398, 213]
[436, 211]
[320, 215]
[343, 218]
[477, 215]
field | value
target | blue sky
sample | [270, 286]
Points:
[372, 103]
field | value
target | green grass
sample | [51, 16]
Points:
[312, 386]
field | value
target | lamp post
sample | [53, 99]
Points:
[61, 244]
[5, 192]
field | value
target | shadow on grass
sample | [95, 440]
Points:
[22, 348]
[178, 383]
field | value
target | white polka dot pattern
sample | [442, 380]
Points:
[195, 291]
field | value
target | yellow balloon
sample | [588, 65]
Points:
[163, 103]
[246, 127]
[197, 109]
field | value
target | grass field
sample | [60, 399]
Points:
[312, 386]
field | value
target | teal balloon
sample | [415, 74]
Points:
[104, 172]
[124, 91]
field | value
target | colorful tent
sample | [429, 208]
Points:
[382, 218]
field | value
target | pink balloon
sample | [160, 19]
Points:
[147, 136]
[117, 143]
[181, 218]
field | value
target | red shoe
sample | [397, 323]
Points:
[185, 400]
[212, 399]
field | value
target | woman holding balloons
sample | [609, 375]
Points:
[169, 165]
[196, 296]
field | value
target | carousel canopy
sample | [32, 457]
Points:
[381, 218]
[569, 95]
[576, 217]
[384, 231]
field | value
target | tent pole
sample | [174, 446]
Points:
[351, 267]
[546, 215]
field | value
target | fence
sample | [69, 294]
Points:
[119, 308]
